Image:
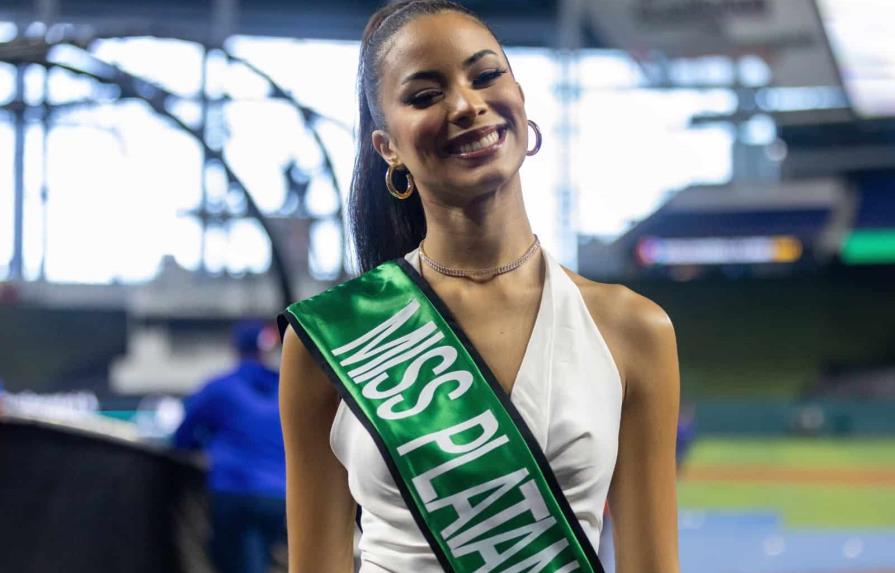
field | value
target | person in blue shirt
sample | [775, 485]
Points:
[686, 433]
[234, 418]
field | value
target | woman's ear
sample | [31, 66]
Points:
[382, 143]
[521, 91]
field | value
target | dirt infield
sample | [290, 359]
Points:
[876, 477]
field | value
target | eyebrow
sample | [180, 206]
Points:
[477, 56]
[433, 75]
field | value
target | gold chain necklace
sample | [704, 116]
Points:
[481, 274]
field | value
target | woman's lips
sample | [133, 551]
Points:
[486, 145]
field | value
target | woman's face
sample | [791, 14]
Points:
[454, 113]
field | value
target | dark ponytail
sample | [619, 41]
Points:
[383, 228]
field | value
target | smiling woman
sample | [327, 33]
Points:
[478, 401]
[409, 75]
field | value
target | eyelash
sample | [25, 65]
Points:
[490, 75]
[424, 98]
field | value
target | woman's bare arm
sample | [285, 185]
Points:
[319, 507]
[643, 497]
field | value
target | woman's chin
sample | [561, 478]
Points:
[485, 185]
[489, 176]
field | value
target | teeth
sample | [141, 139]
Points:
[486, 141]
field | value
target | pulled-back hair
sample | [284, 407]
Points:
[384, 228]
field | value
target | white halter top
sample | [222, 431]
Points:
[568, 391]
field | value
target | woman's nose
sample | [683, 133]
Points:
[466, 105]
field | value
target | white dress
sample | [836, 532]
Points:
[568, 391]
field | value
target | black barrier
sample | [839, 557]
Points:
[78, 502]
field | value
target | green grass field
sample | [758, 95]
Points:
[808, 482]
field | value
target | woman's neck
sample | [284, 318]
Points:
[488, 232]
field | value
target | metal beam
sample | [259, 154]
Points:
[517, 23]
[17, 263]
[570, 33]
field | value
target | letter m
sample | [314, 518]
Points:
[376, 342]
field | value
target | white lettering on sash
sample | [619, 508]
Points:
[374, 354]
[423, 482]
[464, 382]
[445, 438]
[447, 355]
[375, 336]
[404, 348]
[460, 502]
[532, 502]
[379, 373]
[487, 548]
[542, 559]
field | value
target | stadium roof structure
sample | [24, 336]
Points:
[516, 22]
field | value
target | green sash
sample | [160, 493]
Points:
[473, 476]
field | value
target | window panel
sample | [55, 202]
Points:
[7, 83]
[860, 34]
[249, 249]
[173, 64]
[33, 215]
[637, 146]
[7, 196]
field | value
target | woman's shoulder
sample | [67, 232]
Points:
[620, 305]
[302, 380]
[635, 328]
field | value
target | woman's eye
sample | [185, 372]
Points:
[488, 77]
[423, 99]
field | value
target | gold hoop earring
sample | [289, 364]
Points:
[538, 139]
[389, 182]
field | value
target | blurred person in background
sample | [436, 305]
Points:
[686, 434]
[234, 418]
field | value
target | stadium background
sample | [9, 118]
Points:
[169, 168]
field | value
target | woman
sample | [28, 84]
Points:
[591, 369]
